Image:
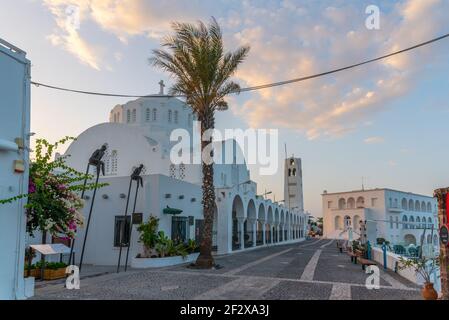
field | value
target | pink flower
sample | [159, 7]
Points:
[31, 187]
[62, 187]
[72, 225]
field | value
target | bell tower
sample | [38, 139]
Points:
[293, 190]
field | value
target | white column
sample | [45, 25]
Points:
[254, 232]
[242, 233]
[264, 230]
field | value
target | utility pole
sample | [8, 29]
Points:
[443, 203]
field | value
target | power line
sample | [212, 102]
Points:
[259, 87]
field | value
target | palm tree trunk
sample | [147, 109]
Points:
[205, 259]
[441, 195]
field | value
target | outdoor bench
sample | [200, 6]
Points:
[365, 262]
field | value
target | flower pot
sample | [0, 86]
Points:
[428, 292]
[35, 273]
[53, 274]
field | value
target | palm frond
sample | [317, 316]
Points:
[194, 56]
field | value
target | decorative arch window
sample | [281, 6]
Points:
[147, 115]
[412, 224]
[405, 220]
[114, 162]
[107, 163]
[423, 206]
[417, 206]
[360, 202]
[292, 162]
[172, 171]
[134, 115]
[169, 115]
[128, 116]
[289, 172]
[429, 222]
[396, 203]
[182, 171]
[294, 172]
[404, 204]
[418, 222]
[429, 207]
[342, 204]
[176, 116]
[351, 203]
[411, 205]
[347, 222]
[154, 114]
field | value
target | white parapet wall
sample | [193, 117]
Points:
[393, 264]
[143, 263]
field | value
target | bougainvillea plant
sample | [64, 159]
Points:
[54, 205]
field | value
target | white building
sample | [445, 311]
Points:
[14, 142]
[399, 217]
[139, 133]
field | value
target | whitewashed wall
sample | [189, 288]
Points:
[14, 123]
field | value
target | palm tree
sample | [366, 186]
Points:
[195, 58]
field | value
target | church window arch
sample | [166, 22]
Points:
[154, 114]
[172, 171]
[114, 162]
[182, 171]
[169, 116]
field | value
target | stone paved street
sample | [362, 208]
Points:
[312, 269]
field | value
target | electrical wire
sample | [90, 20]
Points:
[254, 88]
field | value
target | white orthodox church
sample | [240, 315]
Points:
[138, 132]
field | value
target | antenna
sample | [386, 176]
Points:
[285, 147]
[363, 183]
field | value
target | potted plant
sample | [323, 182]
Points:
[192, 246]
[425, 267]
[148, 237]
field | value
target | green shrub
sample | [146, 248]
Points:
[148, 232]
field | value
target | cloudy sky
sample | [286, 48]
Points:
[386, 121]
